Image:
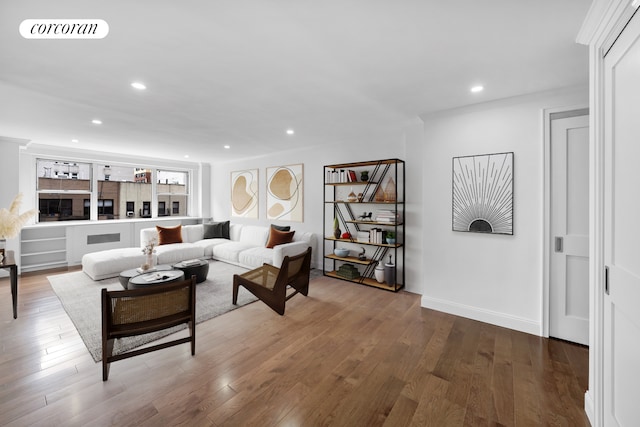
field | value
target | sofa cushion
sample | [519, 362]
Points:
[192, 233]
[109, 263]
[255, 257]
[208, 244]
[176, 252]
[168, 235]
[216, 230]
[254, 235]
[279, 237]
[230, 251]
[281, 227]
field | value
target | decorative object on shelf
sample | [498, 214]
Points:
[12, 221]
[352, 196]
[361, 255]
[379, 272]
[149, 249]
[390, 273]
[285, 190]
[390, 191]
[336, 228]
[360, 197]
[345, 235]
[364, 176]
[365, 216]
[244, 193]
[348, 271]
[379, 196]
[391, 237]
[483, 193]
[341, 252]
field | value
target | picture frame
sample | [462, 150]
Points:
[285, 192]
[244, 193]
[482, 193]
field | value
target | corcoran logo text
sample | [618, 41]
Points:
[64, 29]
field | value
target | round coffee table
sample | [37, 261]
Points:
[155, 278]
[200, 269]
[129, 274]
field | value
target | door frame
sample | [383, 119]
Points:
[550, 114]
[602, 25]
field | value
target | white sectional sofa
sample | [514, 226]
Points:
[246, 248]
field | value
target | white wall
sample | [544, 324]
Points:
[492, 278]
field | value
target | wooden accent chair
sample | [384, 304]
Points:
[270, 283]
[139, 311]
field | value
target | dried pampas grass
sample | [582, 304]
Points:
[11, 221]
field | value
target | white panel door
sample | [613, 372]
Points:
[622, 230]
[569, 284]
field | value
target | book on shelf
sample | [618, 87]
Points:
[387, 215]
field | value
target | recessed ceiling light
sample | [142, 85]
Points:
[186, 156]
[96, 122]
[477, 89]
[138, 85]
[74, 140]
[290, 132]
[227, 146]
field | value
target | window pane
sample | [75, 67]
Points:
[54, 207]
[54, 175]
[172, 182]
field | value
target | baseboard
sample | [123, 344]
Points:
[589, 407]
[482, 315]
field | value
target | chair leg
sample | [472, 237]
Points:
[235, 289]
[107, 351]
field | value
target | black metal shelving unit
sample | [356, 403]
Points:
[382, 193]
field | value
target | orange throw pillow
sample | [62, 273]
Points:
[279, 237]
[168, 235]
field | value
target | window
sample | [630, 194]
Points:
[66, 190]
[62, 188]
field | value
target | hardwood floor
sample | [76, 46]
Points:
[347, 355]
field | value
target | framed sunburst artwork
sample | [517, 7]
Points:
[483, 193]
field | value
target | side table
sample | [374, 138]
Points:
[196, 267]
[9, 263]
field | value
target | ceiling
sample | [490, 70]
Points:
[240, 73]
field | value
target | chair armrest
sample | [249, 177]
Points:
[288, 249]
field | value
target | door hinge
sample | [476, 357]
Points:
[606, 280]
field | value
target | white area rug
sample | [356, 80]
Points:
[80, 297]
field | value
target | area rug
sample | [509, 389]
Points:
[80, 297]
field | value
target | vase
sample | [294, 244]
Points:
[3, 245]
[379, 272]
[364, 176]
[148, 264]
[336, 233]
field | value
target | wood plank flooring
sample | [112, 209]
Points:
[347, 355]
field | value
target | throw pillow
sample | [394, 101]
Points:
[279, 237]
[167, 235]
[281, 227]
[216, 230]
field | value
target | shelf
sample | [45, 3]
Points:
[346, 184]
[384, 245]
[26, 267]
[353, 259]
[43, 240]
[367, 163]
[392, 224]
[60, 251]
[364, 203]
[365, 281]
